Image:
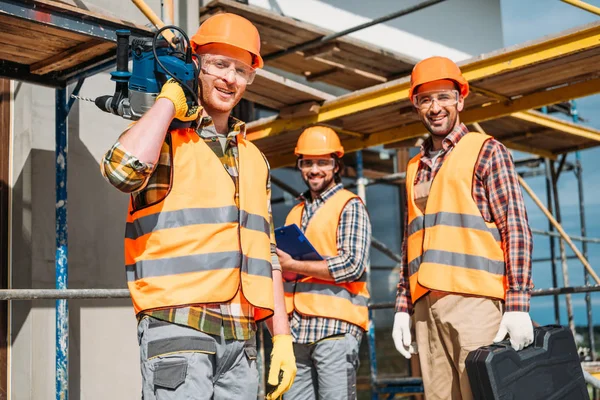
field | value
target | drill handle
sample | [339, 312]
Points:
[122, 50]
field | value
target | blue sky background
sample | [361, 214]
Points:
[533, 19]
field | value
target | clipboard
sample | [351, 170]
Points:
[290, 239]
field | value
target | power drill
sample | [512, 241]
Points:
[154, 62]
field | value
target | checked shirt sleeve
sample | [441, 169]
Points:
[123, 170]
[353, 243]
[508, 211]
[403, 300]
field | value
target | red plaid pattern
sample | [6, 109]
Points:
[498, 196]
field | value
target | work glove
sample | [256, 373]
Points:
[283, 367]
[401, 335]
[519, 328]
[172, 90]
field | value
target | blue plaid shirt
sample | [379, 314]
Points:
[353, 243]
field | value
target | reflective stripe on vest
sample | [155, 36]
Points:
[315, 297]
[451, 247]
[196, 246]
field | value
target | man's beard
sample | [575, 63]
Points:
[321, 187]
[444, 130]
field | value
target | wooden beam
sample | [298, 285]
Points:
[300, 110]
[326, 49]
[504, 61]
[70, 57]
[313, 76]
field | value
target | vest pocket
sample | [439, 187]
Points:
[170, 373]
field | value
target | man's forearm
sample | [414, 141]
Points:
[144, 140]
[316, 269]
[278, 324]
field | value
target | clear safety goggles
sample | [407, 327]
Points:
[222, 66]
[324, 164]
[444, 98]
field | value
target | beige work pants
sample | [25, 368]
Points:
[448, 327]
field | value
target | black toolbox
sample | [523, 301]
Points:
[548, 369]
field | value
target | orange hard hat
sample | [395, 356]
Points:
[230, 29]
[319, 141]
[435, 69]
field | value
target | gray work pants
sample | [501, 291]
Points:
[182, 363]
[326, 369]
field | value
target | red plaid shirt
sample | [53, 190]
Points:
[498, 196]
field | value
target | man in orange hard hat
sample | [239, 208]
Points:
[199, 244]
[327, 299]
[466, 271]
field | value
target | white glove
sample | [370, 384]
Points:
[519, 328]
[401, 335]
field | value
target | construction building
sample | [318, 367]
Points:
[322, 66]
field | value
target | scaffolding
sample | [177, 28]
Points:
[95, 52]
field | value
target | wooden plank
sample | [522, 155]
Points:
[28, 46]
[259, 15]
[70, 57]
[40, 29]
[557, 71]
[293, 85]
[87, 11]
[311, 77]
[300, 110]
[33, 39]
[14, 54]
[263, 100]
[324, 50]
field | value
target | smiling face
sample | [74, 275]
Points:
[440, 120]
[221, 93]
[318, 172]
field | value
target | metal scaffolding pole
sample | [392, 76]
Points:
[62, 108]
[573, 238]
[62, 277]
[586, 275]
[563, 251]
[547, 162]
[360, 183]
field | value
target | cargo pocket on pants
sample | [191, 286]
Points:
[170, 373]
[170, 357]
[352, 371]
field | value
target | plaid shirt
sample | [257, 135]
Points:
[353, 243]
[150, 183]
[498, 196]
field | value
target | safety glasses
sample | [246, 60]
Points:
[444, 98]
[221, 67]
[324, 164]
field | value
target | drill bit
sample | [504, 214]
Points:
[82, 98]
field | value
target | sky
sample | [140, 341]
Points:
[529, 20]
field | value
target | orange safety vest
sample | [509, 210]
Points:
[314, 297]
[451, 247]
[196, 246]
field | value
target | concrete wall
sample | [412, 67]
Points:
[103, 344]
[103, 348]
